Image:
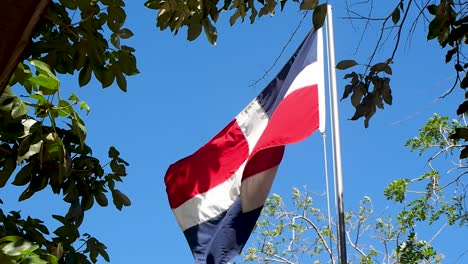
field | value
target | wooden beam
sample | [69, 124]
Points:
[18, 19]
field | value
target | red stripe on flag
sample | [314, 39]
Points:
[263, 160]
[210, 166]
[295, 118]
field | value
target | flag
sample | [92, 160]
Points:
[218, 192]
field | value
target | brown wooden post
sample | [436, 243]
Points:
[18, 19]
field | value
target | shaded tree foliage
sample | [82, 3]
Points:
[43, 137]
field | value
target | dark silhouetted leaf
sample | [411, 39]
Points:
[464, 153]
[307, 4]
[24, 175]
[120, 199]
[434, 28]
[347, 91]
[210, 31]
[121, 81]
[318, 17]
[386, 92]
[26, 194]
[194, 31]
[464, 82]
[379, 67]
[449, 55]
[101, 199]
[462, 108]
[85, 75]
[432, 9]
[460, 133]
[396, 15]
[356, 96]
[113, 152]
[345, 64]
[7, 169]
[125, 33]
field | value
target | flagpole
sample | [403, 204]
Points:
[336, 138]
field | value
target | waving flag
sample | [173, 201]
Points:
[218, 192]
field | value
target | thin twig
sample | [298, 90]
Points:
[281, 52]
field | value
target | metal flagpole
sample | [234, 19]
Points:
[336, 138]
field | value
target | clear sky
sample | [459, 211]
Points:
[188, 91]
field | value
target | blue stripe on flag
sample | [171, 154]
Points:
[275, 91]
[213, 240]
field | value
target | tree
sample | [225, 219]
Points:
[303, 234]
[37, 151]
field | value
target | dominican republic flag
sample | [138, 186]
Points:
[218, 192]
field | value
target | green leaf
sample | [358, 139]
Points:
[397, 190]
[74, 98]
[345, 64]
[78, 127]
[64, 108]
[318, 17]
[85, 106]
[19, 108]
[17, 247]
[9, 165]
[51, 85]
[39, 97]
[43, 68]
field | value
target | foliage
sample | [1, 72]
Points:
[369, 85]
[428, 199]
[198, 15]
[303, 235]
[43, 136]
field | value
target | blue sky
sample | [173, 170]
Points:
[188, 91]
